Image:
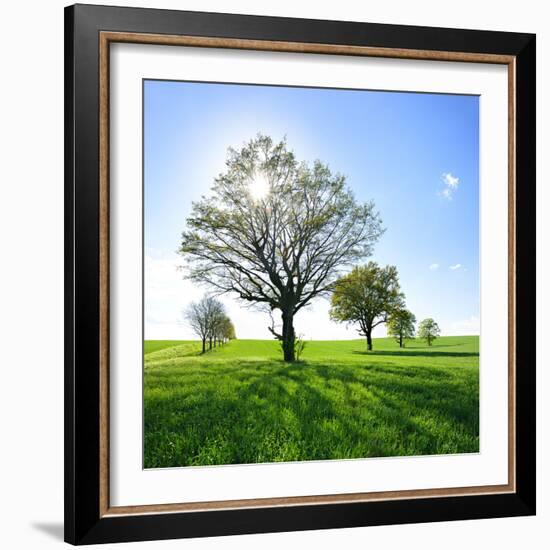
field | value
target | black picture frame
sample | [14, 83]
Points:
[84, 523]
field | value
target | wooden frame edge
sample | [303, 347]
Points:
[300, 47]
[309, 500]
[512, 352]
[105, 39]
[104, 270]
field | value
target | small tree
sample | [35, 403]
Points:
[299, 346]
[216, 315]
[224, 330]
[428, 330]
[400, 325]
[367, 297]
[196, 316]
[217, 329]
[229, 330]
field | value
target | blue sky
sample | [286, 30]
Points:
[415, 155]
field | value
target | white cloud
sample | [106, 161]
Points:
[450, 180]
[455, 267]
[451, 185]
[434, 267]
[446, 193]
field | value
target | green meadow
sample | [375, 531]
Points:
[240, 403]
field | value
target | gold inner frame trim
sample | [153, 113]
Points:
[105, 39]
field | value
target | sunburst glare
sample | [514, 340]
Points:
[258, 186]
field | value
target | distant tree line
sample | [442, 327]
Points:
[209, 320]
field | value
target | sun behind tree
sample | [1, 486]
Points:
[276, 233]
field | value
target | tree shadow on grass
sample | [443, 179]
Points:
[399, 399]
[388, 369]
[416, 353]
[304, 411]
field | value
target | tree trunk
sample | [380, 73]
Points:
[210, 343]
[400, 340]
[203, 345]
[369, 340]
[288, 336]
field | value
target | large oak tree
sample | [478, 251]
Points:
[276, 232]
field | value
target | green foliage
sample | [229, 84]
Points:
[400, 325]
[299, 347]
[241, 404]
[274, 232]
[366, 297]
[228, 330]
[428, 330]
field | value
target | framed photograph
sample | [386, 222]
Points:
[300, 274]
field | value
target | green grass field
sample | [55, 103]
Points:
[242, 404]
